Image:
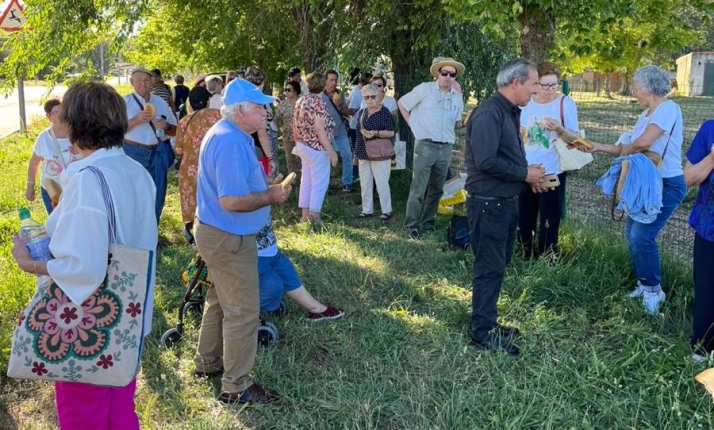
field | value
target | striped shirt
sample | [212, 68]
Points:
[162, 90]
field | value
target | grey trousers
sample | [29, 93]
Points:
[431, 163]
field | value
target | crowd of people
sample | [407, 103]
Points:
[227, 135]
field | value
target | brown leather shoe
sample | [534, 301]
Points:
[251, 395]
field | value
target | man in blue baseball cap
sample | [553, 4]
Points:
[233, 204]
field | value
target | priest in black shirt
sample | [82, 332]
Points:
[497, 172]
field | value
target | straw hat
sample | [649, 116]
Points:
[438, 62]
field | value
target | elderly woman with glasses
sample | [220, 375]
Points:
[374, 122]
[540, 208]
[284, 120]
[658, 130]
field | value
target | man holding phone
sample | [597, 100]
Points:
[497, 172]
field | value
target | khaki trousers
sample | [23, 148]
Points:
[229, 327]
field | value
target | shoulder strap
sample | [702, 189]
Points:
[151, 124]
[334, 105]
[57, 147]
[666, 146]
[562, 114]
[109, 203]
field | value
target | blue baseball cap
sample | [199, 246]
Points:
[239, 91]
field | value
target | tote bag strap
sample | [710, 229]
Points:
[562, 114]
[107, 201]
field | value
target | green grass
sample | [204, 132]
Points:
[590, 359]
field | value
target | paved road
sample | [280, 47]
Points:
[10, 112]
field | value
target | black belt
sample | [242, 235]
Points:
[493, 199]
[439, 143]
[140, 145]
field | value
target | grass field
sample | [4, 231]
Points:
[590, 357]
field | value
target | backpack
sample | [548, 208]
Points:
[457, 235]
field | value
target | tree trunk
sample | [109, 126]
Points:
[607, 86]
[537, 33]
[311, 45]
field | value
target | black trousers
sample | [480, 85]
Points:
[703, 321]
[493, 235]
[540, 214]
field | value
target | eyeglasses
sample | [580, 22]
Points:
[445, 73]
[374, 97]
[548, 86]
[288, 90]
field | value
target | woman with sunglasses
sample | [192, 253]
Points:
[374, 122]
[546, 111]
[284, 120]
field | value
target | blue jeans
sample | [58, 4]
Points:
[341, 144]
[157, 163]
[642, 238]
[46, 200]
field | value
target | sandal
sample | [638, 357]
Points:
[363, 215]
[385, 217]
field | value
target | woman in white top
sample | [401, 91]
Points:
[546, 110]
[95, 119]
[53, 151]
[659, 130]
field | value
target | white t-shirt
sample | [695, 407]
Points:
[54, 159]
[143, 133]
[665, 116]
[539, 147]
[355, 103]
[79, 229]
[216, 101]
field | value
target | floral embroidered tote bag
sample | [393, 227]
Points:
[98, 341]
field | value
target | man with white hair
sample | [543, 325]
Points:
[147, 139]
[214, 85]
[233, 204]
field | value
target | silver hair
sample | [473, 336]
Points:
[212, 82]
[518, 68]
[653, 80]
[371, 87]
[229, 111]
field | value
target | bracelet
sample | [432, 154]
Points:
[560, 131]
[271, 158]
[30, 182]
[34, 267]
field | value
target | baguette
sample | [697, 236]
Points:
[150, 108]
[583, 143]
[288, 180]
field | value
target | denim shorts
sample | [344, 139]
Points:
[277, 276]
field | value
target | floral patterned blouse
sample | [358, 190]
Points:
[307, 109]
[285, 112]
[189, 134]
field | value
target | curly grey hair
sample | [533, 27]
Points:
[518, 68]
[212, 83]
[654, 80]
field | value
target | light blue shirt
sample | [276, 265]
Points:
[228, 167]
[143, 133]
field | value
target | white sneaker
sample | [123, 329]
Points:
[637, 292]
[651, 301]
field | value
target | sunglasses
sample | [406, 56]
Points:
[370, 97]
[445, 73]
[288, 90]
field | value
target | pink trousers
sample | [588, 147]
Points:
[83, 406]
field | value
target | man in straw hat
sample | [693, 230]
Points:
[497, 172]
[151, 125]
[433, 111]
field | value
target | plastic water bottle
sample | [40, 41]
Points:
[35, 236]
[160, 131]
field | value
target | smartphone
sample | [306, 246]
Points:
[288, 180]
[551, 181]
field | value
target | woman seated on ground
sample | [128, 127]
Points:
[698, 171]
[95, 119]
[546, 112]
[374, 122]
[189, 135]
[658, 130]
[278, 276]
[313, 128]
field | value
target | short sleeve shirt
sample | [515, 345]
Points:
[380, 120]
[668, 117]
[433, 113]
[307, 109]
[55, 156]
[228, 167]
[143, 133]
[702, 217]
